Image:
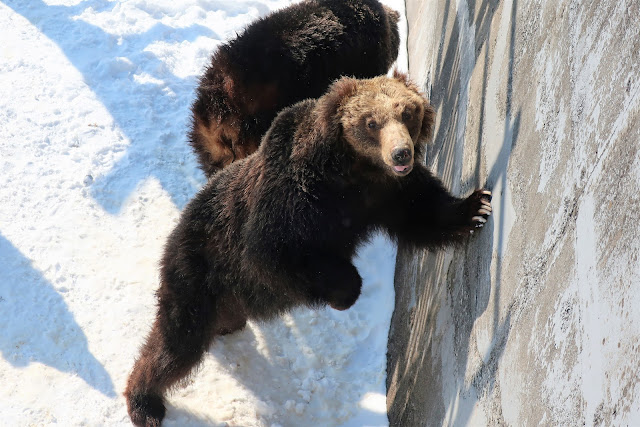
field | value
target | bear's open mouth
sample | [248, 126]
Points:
[402, 169]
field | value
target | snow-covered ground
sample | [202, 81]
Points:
[94, 169]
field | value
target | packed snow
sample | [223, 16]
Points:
[94, 170]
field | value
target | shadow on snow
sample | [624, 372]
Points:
[145, 112]
[37, 326]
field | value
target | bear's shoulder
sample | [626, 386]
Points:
[286, 130]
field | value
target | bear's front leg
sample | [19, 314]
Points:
[426, 215]
[472, 212]
[335, 281]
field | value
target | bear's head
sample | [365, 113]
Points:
[386, 121]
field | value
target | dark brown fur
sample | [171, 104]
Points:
[279, 229]
[288, 56]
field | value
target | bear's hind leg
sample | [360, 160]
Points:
[176, 343]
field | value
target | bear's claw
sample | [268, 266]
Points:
[477, 209]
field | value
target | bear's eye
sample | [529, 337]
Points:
[372, 124]
[406, 116]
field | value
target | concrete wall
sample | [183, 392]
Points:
[537, 319]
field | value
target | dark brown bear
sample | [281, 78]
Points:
[288, 56]
[279, 228]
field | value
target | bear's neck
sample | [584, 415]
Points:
[345, 177]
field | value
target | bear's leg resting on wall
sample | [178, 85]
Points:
[435, 217]
[455, 218]
[473, 211]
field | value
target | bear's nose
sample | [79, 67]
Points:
[401, 155]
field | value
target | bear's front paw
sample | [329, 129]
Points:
[342, 299]
[476, 210]
[337, 282]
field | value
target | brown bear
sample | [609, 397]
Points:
[279, 228]
[285, 57]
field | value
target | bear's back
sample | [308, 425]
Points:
[312, 43]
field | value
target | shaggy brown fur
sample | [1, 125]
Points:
[290, 55]
[279, 228]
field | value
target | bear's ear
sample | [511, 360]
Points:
[429, 114]
[331, 101]
[404, 79]
[428, 122]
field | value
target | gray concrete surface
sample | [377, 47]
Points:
[536, 321]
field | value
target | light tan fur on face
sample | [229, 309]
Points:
[382, 116]
[218, 140]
